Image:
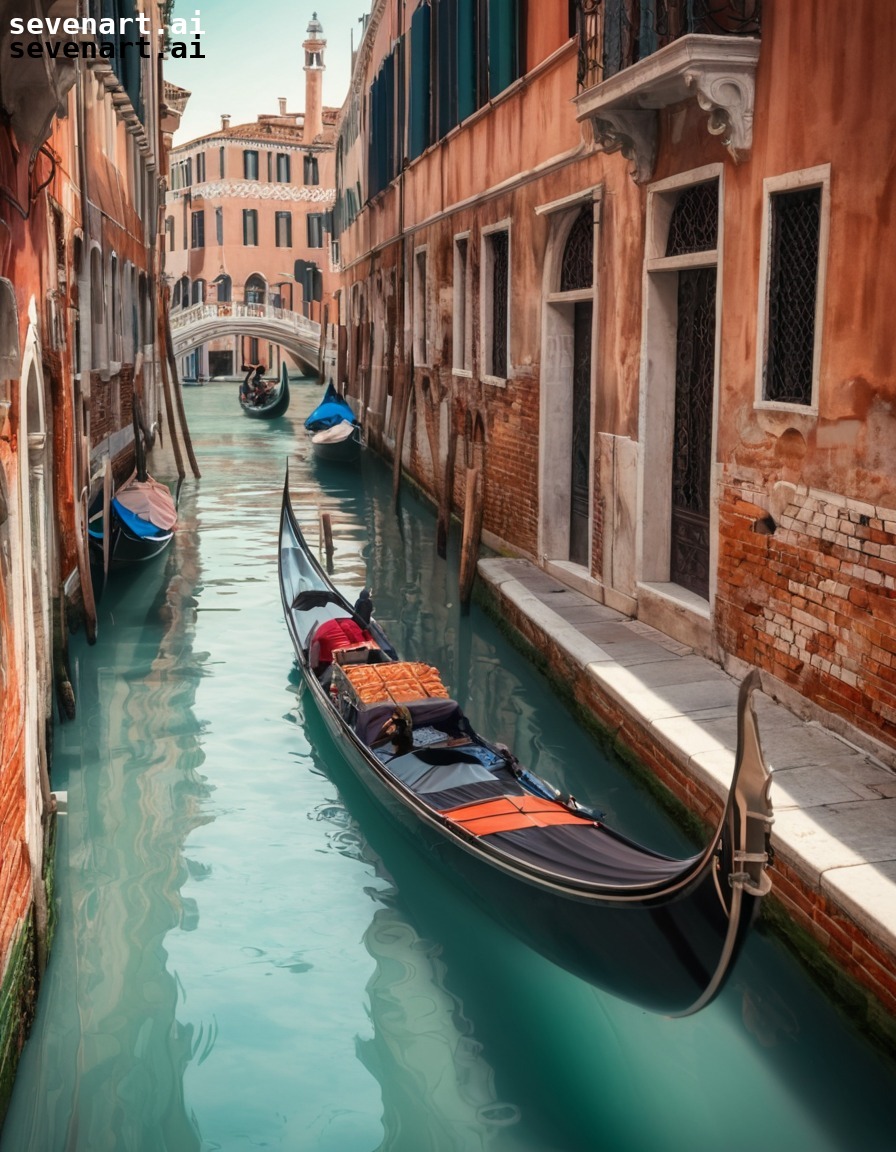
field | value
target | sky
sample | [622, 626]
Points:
[254, 55]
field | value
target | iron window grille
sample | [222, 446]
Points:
[694, 226]
[499, 258]
[794, 245]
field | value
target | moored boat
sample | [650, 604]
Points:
[663, 933]
[141, 520]
[335, 433]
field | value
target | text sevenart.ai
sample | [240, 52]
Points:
[90, 38]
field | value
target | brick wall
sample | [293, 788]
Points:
[815, 601]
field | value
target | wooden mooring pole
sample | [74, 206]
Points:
[472, 530]
[326, 529]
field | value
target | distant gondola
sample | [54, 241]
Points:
[335, 433]
[269, 403]
[660, 932]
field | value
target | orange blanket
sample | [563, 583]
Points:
[398, 683]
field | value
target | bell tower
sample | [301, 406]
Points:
[314, 46]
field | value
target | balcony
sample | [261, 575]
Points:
[639, 56]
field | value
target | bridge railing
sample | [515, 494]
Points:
[301, 325]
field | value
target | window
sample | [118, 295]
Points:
[250, 226]
[283, 229]
[200, 167]
[169, 232]
[197, 230]
[421, 341]
[255, 292]
[310, 169]
[250, 164]
[315, 230]
[224, 286]
[463, 311]
[221, 162]
[181, 174]
[794, 252]
[282, 168]
[219, 225]
[113, 309]
[495, 303]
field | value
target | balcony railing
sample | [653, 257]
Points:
[637, 57]
[615, 34]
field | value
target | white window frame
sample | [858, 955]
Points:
[817, 177]
[486, 319]
[462, 325]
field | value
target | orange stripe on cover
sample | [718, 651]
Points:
[509, 813]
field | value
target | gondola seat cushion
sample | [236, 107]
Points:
[333, 635]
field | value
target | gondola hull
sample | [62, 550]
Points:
[127, 548]
[340, 444]
[662, 934]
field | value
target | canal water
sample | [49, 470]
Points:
[247, 954]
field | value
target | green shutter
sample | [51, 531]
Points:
[418, 135]
[503, 45]
[466, 58]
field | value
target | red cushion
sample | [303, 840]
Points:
[333, 634]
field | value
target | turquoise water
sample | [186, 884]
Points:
[249, 957]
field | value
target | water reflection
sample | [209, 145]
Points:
[438, 1089]
[106, 1066]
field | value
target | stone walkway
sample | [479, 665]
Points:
[835, 803]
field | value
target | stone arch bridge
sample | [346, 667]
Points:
[203, 322]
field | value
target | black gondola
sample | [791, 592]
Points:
[270, 403]
[660, 932]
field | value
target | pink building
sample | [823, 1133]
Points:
[248, 219]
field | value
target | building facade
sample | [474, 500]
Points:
[249, 220]
[618, 266]
[81, 165]
[627, 266]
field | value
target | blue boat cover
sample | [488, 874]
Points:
[331, 410]
[134, 524]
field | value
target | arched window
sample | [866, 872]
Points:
[256, 289]
[577, 268]
[224, 286]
